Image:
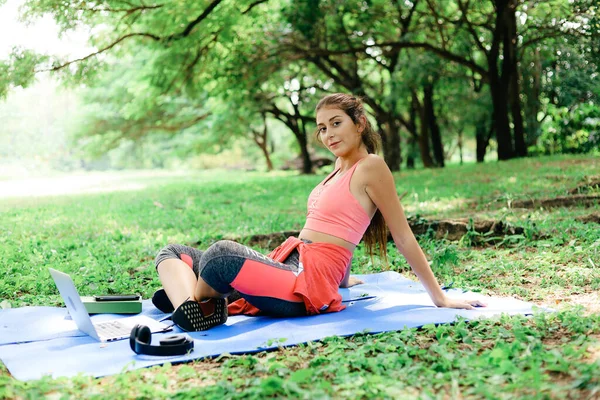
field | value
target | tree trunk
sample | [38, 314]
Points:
[434, 128]
[498, 87]
[307, 165]
[410, 156]
[262, 140]
[262, 143]
[412, 139]
[267, 156]
[510, 58]
[423, 138]
[482, 138]
[306, 161]
[460, 145]
[391, 150]
[294, 123]
[500, 118]
[532, 105]
[268, 160]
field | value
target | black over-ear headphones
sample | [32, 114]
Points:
[175, 345]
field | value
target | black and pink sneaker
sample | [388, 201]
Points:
[192, 316]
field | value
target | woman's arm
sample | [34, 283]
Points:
[380, 186]
[349, 281]
[344, 282]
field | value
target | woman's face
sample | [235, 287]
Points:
[337, 131]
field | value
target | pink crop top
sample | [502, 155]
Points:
[333, 210]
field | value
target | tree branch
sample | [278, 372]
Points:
[110, 46]
[470, 27]
[117, 10]
[190, 68]
[542, 38]
[406, 21]
[195, 22]
[256, 3]
[185, 33]
[180, 126]
[432, 8]
[405, 24]
[402, 45]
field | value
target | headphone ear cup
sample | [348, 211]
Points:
[133, 336]
[144, 335]
[140, 335]
[173, 340]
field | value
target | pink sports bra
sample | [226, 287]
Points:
[333, 210]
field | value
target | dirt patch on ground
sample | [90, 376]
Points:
[591, 218]
[450, 229]
[570, 162]
[556, 178]
[266, 241]
[589, 301]
[561, 201]
[594, 350]
[455, 229]
[592, 183]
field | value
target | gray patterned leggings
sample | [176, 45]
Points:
[261, 281]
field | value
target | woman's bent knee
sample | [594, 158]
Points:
[166, 253]
[220, 248]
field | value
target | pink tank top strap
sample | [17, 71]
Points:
[348, 175]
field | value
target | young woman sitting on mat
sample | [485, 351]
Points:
[302, 276]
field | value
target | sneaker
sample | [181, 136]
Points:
[192, 316]
[162, 302]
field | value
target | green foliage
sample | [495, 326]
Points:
[162, 66]
[18, 70]
[570, 131]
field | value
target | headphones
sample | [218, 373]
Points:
[174, 345]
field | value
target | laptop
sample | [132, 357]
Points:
[104, 331]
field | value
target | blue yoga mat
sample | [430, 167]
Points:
[38, 341]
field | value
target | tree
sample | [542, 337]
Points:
[334, 37]
[199, 51]
[482, 36]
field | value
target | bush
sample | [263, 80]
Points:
[574, 132]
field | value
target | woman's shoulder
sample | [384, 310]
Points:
[370, 168]
[373, 163]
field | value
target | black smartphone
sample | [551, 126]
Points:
[118, 297]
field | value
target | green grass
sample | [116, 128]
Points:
[107, 242]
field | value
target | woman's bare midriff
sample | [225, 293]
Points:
[314, 236]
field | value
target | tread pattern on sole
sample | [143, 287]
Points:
[189, 316]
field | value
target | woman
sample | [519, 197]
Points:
[302, 276]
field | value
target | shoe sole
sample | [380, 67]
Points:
[190, 318]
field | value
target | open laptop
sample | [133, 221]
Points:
[105, 331]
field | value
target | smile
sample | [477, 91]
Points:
[334, 144]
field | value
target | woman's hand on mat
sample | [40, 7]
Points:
[463, 304]
[352, 281]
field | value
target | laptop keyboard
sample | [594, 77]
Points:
[112, 329]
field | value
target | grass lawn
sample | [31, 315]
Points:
[107, 241]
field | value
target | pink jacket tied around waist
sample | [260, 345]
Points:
[324, 266]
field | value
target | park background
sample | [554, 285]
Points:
[125, 125]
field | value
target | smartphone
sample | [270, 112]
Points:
[118, 297]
